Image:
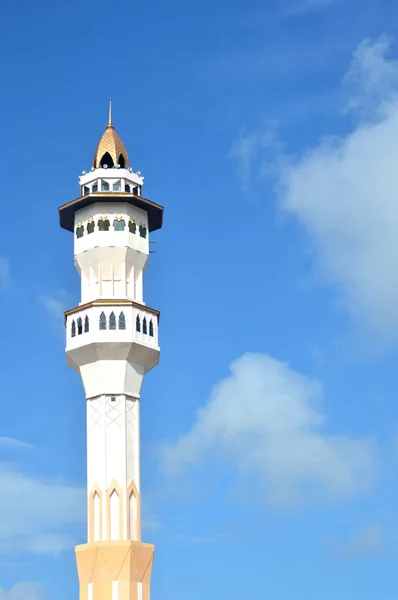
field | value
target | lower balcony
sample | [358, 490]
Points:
[112, 330]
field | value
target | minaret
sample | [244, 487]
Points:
[112, 341]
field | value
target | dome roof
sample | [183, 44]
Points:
[110, 150]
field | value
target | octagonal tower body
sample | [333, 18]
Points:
[112, 341]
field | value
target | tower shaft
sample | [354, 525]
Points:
[112, 342]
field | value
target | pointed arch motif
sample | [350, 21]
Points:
[133, 513]
[138, 323]
[80, 230]
[90, 225]
[106, 160]
[114, 511]
[132, 226]
[119, 224]
[144, 326]
[79, 326]
[86, 324]
[142, 229]
[122, 321]
[151, 328]
[102, 321]
[73, 328]
[95, 514]
[103, 223]
[112, 321]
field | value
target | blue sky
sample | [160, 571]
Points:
[269, 131]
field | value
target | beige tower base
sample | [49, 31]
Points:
[101, 564]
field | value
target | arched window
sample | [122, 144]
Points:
[138, 323]
[151, 328]
[73, 329]
[112, 321]
[116, 187]
[103, 224]
[119, 224]
[102, 321]
[80, 230]
[127, 187]
[86, 190]
[122, 321]
[106, 160]
[79, 326]
[104, 186]
[142, 230]
[144, 326]
[121, 161]
[90, 225]
[132, 226]
[86, 325]
[94, 188]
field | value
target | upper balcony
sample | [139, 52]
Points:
[116, 225]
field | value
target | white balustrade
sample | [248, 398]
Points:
[143, 331]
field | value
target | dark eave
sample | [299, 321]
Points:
[67, 211]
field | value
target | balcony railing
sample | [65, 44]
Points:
[111, 321]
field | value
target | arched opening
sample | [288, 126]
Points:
[114, 516]
[90, 226]
[144, 326]
[94, 188]
[106, 160]
[122, 321]
[112, 321]
[151, 328]
[102, 321]
[138, 323]
[127, 188]
[104, 186]
[121, 161]
[97, 517]
[79, 326]
[103, 224]
[133, 517]
[119, 224]
[142, 230]
[86, 324]
[117, 186]
[73, 329]
[132, 226]
[80, 230]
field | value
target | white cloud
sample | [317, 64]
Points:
[56, 303]
[345, 193]
[37, 515]
[7, 443]
[265, 419]
[371, 81]
[5, 275]
[28, 590]
[366, 542]
[251, 149]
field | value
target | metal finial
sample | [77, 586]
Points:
[110, 113]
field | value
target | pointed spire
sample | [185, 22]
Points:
[110, 113]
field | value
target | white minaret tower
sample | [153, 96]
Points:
[112, 341]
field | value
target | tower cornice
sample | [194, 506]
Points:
[111, 302]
